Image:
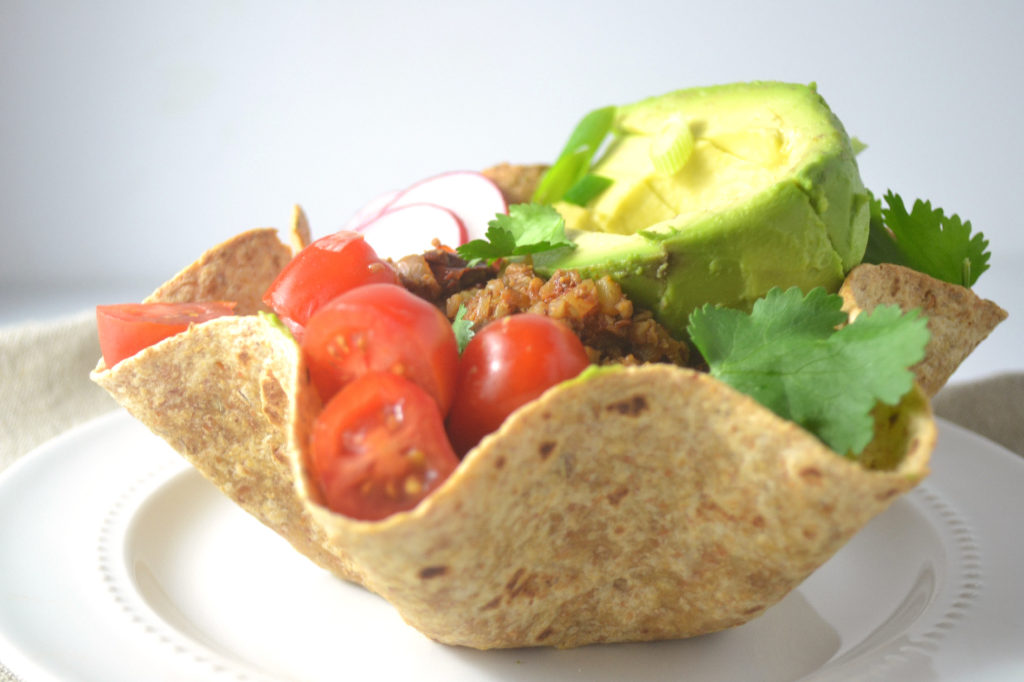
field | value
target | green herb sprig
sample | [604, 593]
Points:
[927, 240]
[527, 229]
[796, 356]
[463, 329]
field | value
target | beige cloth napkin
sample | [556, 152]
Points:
[45, 390]
[992, 407]
[44, 382]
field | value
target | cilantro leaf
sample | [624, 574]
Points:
[463, 329]
[788, 355]
[882, 247]
[926, 240]
[528, 228]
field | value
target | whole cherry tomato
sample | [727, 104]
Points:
[509, 362]
[126, 328]
[381, 328]
[326, 268]
[379, 447]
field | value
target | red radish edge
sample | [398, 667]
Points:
[470, 195]
[371, 210]
[411, 228]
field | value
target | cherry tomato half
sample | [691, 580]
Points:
[509, 362]
[126, 328]
[329, 266]
[379, 447]
[381, 328]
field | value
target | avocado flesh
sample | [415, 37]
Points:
[770, 196]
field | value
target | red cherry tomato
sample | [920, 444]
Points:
[126, 328]
[329, 266]
[381, 328]
[379, 447]
[508, 363]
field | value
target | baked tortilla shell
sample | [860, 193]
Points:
[639, 504]
[633, 504]
[636, 504]
[239, 269]
[223, 394]
[958, 319]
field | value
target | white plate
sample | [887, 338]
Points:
[119, 562]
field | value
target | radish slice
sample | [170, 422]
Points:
[372, 209]
[408, 229]
[470, 195]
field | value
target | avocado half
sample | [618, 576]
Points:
[770, 195]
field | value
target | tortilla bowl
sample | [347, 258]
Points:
[629, 504]
[645, 503]
[958, 319]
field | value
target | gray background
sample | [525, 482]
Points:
[134, 135]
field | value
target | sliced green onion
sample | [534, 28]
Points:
[562, 175]
[671, 148]
[574, 161]
[589, 187]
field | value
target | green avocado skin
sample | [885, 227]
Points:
[802, 220]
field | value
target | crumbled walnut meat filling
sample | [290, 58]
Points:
[596, 310]
[439, 273]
